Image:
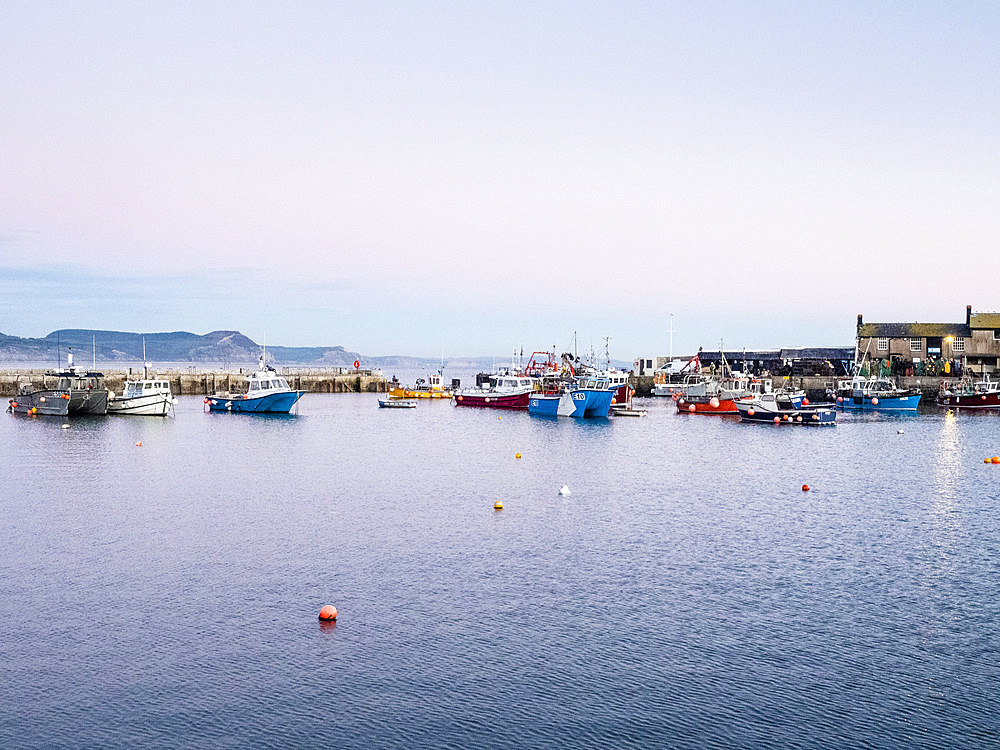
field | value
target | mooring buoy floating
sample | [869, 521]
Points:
[329, 612]
[564, 491]
[498, 505]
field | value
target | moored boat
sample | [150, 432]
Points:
[396, 403]
[875, 394]
[721, 396]
[981, 394]
[588, 397]
[433, 388]
[87, 394]
[267, 393]
[502, 391]
[146, 397]
[785, 407]
[511, 389]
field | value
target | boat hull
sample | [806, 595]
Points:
[395, 404]
[878, 403]
[89, 401]
[970, 401]
[417, 393]
[43, 403]
[153, 405]
[516, 401]
[271, 403]
[557, 405]
[598, 402]
[803, 417]
[705, 406]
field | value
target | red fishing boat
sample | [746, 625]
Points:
[983, 394]
[510, 390]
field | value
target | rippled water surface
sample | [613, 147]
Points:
[687, 594]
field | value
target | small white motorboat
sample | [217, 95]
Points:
[396, 403]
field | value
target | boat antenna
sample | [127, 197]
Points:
[671, 337]
[144, 358]
[607, 353]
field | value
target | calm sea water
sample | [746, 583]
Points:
[687, 594]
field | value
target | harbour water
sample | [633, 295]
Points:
[687, 593]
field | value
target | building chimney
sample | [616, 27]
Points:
[968, 315]
[859, 324]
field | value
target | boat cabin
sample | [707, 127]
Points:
[79, 381]
[137, 388]
[510, 383]
[259, 382]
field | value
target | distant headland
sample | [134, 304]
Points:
[224, 349]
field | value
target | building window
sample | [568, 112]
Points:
[916, 345]
[883, 345]
[996, 334]
[958, 345]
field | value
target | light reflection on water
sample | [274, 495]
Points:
[688, 593]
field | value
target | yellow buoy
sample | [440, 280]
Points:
[498, 505]
[517, 455]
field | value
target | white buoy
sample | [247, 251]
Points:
[564, 491]
[899, 432]
[65, 426]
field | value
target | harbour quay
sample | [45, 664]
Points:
[187, 383]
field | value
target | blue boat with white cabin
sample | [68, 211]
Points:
[267, 393]
[875, 394]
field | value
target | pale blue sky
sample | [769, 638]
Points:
[464, 177]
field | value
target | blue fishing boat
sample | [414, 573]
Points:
[267, 393]
[582, 398]
[875, 394]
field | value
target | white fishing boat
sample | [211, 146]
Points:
[147, 397]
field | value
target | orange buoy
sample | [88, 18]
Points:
[498, 505]
[517, 455]
[329, 612]
[996, 460]
[691, 408]
[987, 460]
[805, 488]
[751, 411]
[139, 444]
[777, 420]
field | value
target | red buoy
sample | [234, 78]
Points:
[329, 612]
[805, 488]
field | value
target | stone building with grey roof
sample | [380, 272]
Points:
[974, 344]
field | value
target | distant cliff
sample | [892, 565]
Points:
[219, 348]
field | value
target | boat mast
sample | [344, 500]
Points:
[95, 353]
[144, 358]
[671, 357]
